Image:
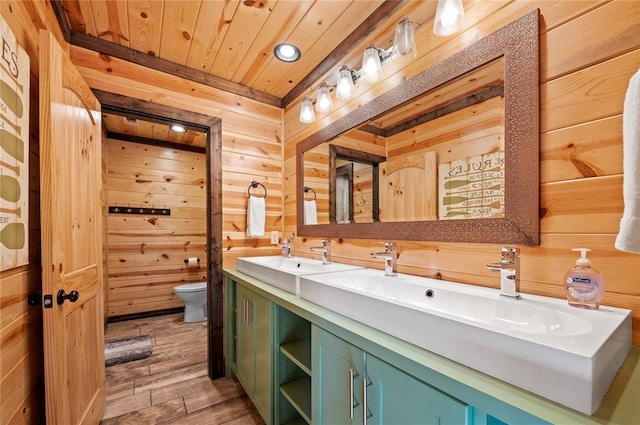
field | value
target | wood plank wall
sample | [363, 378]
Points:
[145, 253]
[589, 50]
[251, 138]
[252, 150]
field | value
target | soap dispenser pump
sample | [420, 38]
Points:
[583, 284]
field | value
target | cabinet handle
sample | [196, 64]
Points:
[365, 415]
[246, 311]
[352, 404]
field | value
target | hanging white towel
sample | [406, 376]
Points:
[629, 236]
[255, 216]
[310, 212]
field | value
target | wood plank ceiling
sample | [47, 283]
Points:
[229, 44]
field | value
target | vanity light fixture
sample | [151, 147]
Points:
[287, 52]
[404, 41]
[178, 128]
[345, 86]
[449, 17]
[323, 101]
[371, 64]
[404, 46]
[307, 115]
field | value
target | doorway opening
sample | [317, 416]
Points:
[212, 127]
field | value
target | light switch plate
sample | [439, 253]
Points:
[274, 237]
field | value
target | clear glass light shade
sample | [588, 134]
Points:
[344, 87]
[323, 101]
[404, 42]
[307, 115]
[371, 66]
[449, 17]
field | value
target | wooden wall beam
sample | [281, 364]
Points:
[154, 142]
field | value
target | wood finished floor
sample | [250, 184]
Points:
[171, 386]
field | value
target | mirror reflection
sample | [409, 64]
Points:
[460, 147]
[438, 157]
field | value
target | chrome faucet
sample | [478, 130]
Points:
[390, 256]
[287, 247]
[325, 249]
[509, 268]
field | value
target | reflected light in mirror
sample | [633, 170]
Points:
[449, 17]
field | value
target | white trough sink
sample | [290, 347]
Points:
[540, 344]
[284, 272]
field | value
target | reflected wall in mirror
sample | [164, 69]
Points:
[432, 153]
[456, 150]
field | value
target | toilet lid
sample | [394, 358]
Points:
[191, 287]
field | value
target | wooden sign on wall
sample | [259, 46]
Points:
[472, 187]
[14, 151]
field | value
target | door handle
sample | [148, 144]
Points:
[71, 296]
[365, 410]
[352, 403]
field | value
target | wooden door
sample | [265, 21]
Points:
[70, 181]
[408, 188]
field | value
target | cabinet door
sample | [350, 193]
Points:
[244, 342]
[253, 348]
[394, 397]
[260, 319]
[338, 368]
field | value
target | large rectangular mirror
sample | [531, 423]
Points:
[449, 155]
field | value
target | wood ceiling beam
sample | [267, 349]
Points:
[95, 44]
[470, 100]
[154, 142]
[163, 65]
[344, 48]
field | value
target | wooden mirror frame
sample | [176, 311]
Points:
[518, 44]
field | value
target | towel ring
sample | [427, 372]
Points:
[306, 189]
[255, 184]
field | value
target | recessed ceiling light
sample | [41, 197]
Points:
[287, 52]
[178, 128]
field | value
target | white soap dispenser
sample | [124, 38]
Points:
[583, 285]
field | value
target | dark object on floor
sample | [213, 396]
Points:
[128, 349]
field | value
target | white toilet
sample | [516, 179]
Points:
[194, 296]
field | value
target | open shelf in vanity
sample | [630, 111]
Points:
[293, 368]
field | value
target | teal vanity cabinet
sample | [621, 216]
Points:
[303, 364]
[349, 383]
[252, 326]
